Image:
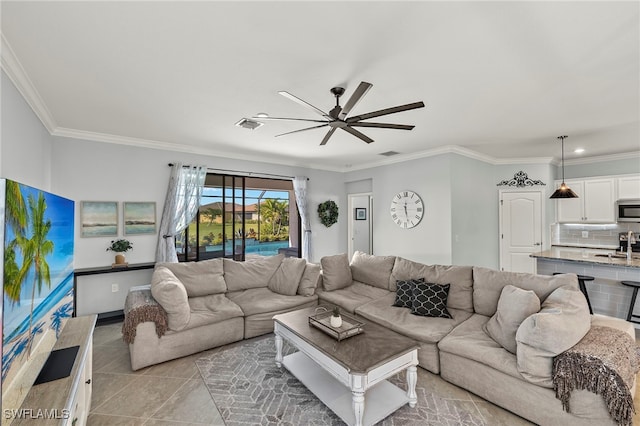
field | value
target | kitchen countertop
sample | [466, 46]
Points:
[588, 255]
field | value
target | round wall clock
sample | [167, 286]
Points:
[406, 209]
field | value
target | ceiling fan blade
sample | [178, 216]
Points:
[290, 119]
[357, 134]
[305, 104]
[382, 125]
[386, 111]
[327, 136]
[361, 90]
[302, 130]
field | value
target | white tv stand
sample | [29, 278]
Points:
[64, 401]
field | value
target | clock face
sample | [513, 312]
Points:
[406, 209]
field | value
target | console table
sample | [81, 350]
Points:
[68, 400]
[102, 290]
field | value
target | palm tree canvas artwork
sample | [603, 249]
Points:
[38, 232]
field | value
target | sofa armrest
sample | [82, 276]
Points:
[139, 307]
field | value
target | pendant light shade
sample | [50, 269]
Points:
[563, 191]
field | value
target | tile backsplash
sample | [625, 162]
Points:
[598, 235]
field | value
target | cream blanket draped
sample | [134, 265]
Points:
[604, 362]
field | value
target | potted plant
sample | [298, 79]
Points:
[336, 319]
[120, 246]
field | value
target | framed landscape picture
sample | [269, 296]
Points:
[139, 218]
[98, 218]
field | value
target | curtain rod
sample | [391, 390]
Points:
[248, 174]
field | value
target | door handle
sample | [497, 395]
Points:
[537, 244]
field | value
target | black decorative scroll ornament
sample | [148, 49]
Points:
[520, 180]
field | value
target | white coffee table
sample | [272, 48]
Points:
[349, 376]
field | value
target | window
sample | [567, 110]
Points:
[242, 216]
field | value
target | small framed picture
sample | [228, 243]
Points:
[99, 218]
[361, 213]
[139, 218]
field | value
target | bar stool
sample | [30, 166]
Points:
[635, 285]
[583, 287]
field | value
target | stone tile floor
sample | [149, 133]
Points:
[173, 394]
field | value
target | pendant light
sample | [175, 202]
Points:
[564, 191]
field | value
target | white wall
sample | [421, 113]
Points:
[604, 168]
[93, 171]
[474, 213]
[26, 144]
[430, 240]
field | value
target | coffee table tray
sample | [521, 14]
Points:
[350, 325]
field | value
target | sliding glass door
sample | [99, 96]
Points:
[242, 216]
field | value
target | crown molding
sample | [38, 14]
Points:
[452, 149]
[601, 158]
[17, 74]
[168, 146]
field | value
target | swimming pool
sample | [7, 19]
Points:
[269, 248]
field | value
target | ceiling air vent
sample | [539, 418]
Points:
[249, 124]
[389, 153]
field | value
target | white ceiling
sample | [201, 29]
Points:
[501, 79]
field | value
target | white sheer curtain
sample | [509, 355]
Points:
[300, 189]
[180, 207]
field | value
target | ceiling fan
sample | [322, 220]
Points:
[337, 117]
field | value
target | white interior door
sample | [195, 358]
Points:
[520, 230]
[360, 223]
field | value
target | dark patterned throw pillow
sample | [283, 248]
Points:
[430, 300]
[404, 292]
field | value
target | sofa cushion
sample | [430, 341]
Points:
[430, 300]
[459, 277]
[469, 340]
[563, 320]
[287, 277]
[349, 298]
[169, 292]
[514, 306]
[309, 280]
[488, 284]
[424, 329]
[259, 300]
[336, 272]
[211, 309]
[404, 293]
[253, 273]
[372, 270]
[199, 278]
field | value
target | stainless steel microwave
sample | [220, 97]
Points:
[628, 210]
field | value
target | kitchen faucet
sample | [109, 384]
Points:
[630, 240]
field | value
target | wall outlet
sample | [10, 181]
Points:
[585, 234]
[115, 288]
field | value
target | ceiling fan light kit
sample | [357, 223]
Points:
[563, 191]
[337, 117]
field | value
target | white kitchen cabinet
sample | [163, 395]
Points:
[571, 210]
[629, 187]
[595, 202]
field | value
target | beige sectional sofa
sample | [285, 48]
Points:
[535, 318]
[460, 349]
[220, 301]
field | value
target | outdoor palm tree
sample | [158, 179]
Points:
[35, 251]
[275, 213]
